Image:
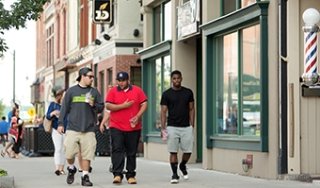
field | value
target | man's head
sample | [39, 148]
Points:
[85, 76]
[57, 91]
[176, 78]
[122, 76]
[123, 79]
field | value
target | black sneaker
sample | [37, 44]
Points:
[70, 177]
[85, 181]
[174, 179]
[183, 169]
[57, 172]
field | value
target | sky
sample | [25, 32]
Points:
[23, 42]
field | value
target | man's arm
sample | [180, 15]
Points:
[163, 116]
[98, 103]
[191, 113]
[105, 121]
[143, 108]
[116, 107]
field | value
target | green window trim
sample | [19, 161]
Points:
[156, 50]
[256, 13]
[148, 57]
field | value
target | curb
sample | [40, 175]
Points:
[7, 182]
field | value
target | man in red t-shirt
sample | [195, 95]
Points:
[126, 103]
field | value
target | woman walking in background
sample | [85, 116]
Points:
[14, 136]
[57, 138]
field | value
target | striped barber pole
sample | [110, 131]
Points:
[310, 49]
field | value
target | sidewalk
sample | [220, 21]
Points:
[38, 172]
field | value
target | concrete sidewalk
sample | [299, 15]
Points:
[38, 172]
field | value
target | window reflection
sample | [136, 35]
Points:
[232, 5]
[238, 103]
[245, 3]
[230, 77]
[158, 91]
[162, 22]
[163, 70]
[251, 80]
[167, 21]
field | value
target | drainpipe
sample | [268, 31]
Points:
[283, 150]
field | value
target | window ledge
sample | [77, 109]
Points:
[236, 138]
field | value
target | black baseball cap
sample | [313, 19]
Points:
[83, 71]
[122, 76]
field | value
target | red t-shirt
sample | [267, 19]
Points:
[121, 119]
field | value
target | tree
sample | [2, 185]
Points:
[20, 12]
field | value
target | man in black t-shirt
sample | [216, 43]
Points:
[177, 122]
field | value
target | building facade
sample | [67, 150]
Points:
[244, 60]
[69, 38]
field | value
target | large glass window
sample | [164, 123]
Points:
[162, 22]
[163, 69]
[240, 83]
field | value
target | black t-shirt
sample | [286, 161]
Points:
[177, 102]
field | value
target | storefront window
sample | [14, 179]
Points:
[163, 69]
[230, 77]
[251, 81]
[240, 83]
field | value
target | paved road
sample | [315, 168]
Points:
[38, 172]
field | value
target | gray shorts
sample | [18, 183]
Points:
[180, 137]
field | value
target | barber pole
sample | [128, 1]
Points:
[310, 75]
[310, 52]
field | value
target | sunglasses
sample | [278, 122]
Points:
[90, 76]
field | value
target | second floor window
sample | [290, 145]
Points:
[50, 45]
[162, 22]
[232, 5]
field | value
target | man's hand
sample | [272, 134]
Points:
[102, 128]
[60, 129]
[127, 103]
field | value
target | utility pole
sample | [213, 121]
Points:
[14, 77]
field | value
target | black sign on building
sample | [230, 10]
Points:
[102, 11]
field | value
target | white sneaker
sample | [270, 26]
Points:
[174, 179]
[185, 177]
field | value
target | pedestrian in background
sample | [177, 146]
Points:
[126, 103]
[10, 113]
[15, 149]
[57, 138]
[177, 120]
[81, 105]
[14, 136]
[4, 128]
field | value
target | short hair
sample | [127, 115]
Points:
[57, 91]
[175, 72]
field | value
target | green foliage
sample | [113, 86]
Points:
[3, 173]
[20, 12]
